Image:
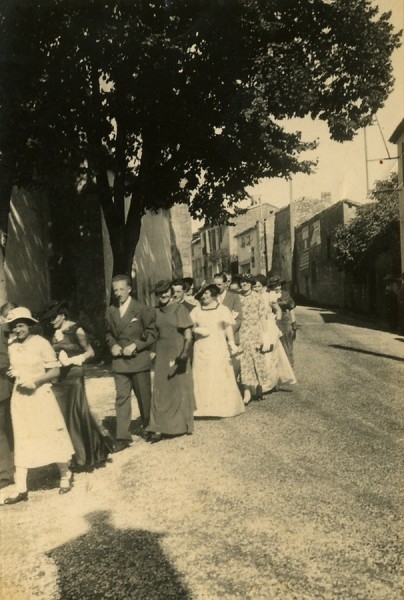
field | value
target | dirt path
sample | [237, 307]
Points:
[295, 499]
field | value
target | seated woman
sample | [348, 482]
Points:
[40, 434]
[70, 342]
[216, 390]
[173, 402]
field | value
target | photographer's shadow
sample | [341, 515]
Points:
[124, 564]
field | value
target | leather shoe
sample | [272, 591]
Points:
[154, 438]
[67, 488]
[21, 497]
[121, 445]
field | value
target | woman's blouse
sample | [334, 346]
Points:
[32, 357]
[68, 341]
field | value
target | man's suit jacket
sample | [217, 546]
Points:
[136, 326]
[232, 301]
[5, 383]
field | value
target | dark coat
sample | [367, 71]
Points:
[136, 326]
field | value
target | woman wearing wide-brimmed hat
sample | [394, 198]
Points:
[91, 444]
[40, 434]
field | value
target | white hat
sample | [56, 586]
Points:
[20, 314]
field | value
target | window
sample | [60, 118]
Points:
[252, 257]
[305, 238]
[248, 240]
[242, 243]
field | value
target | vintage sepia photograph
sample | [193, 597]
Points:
[201, 299]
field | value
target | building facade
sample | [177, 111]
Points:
[244, 246]
[317, 278]
[398, 139]
[286, 220]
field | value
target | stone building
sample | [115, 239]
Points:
[398, 138]
[317, 278]
[224, 247]
[302, 209]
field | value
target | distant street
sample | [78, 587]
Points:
[297, 499]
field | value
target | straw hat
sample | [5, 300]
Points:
[20, 314]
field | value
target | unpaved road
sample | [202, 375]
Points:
[299, 498]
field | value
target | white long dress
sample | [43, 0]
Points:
[215, 387]
[40, 433]
[285, 374]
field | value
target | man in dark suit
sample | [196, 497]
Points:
[232, 301]
[131, 331]
[179, 288]
[6, 431]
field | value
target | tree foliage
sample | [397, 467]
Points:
[182, 100]
[374, 229]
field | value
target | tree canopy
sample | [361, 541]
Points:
[181, 100]
[375, 228]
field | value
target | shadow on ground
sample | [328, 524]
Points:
[110, 425]
[43, 478]
[362, 351]
[332, 316]
[112, 563]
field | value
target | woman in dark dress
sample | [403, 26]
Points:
[70, 342]
[173, 402]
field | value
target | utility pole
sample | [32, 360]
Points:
[366, 160]
[265, 248]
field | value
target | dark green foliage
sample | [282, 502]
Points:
[374, 229]
[183, 100]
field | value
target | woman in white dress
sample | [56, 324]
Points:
[278, 364]
[215, 386]
[40, 434]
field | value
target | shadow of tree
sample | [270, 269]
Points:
[111, 563]
[332, 317]
[362, 351]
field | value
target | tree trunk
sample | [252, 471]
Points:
[6, 188]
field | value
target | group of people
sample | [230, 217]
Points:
[49, 419]
[212, 353]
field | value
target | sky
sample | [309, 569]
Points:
[341, 168]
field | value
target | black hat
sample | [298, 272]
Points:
[162, 286]
[55, 307]
[274, 281]
[248, 277]
[212, 287]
